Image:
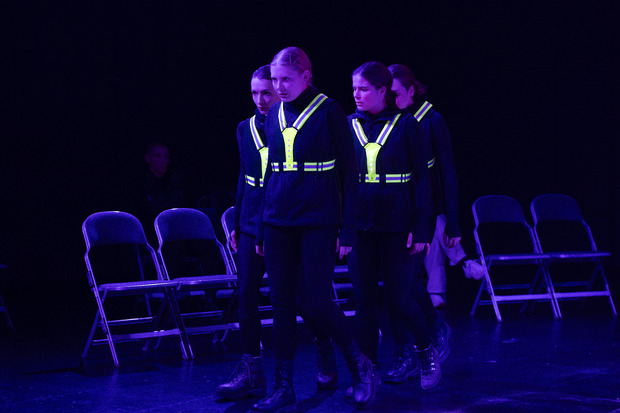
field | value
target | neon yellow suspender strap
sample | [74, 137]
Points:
[372, 148]
[262, 149]
[423, 110]
[290, 133]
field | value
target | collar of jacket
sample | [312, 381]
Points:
[416, 105]
[260, 119]
[387, 114]
[304, 99]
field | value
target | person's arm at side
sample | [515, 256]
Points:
[346, 162]
[234, 235]
[445, 161]
[419, 153]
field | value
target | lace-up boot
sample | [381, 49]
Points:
[440, 336]
[248, 379]
[430, 370]
[405, 366]
[362, 373]
[327, 374]
[283, 397]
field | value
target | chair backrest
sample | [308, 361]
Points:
[497, 208]
[110, 228]
[187, 224]
[228, 223]
[180, 224]
[559, 224]
[501, 223]
[555, 207]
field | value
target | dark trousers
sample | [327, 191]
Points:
[250, 271]
[384, 253]
[420, 294]
[286, 248]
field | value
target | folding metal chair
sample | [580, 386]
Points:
[508, 239]
[188, 233]
[562, 233]
[3, 306]
[114, 228]
[228, 222]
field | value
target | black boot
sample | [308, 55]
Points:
[283, 397]
[440, 336]
[327, 374]
[405, 366]
[363, 377]
[248, 379]
[430, 370]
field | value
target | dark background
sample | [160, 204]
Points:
[529, 90]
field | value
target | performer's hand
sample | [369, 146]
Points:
[341, 251]
[415, 248]
[259, 249]
[344, 251]
[451, 242]
[234, 239]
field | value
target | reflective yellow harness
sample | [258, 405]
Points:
[372, 150]
[289, 134]
[263, 151]
[418, 115]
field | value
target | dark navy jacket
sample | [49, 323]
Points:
[248, 202]
[395, 207]
[442, 174]
[305, 198]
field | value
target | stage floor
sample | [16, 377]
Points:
[528, 363]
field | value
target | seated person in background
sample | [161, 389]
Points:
[161, 188]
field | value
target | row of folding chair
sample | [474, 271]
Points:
[559, 236]
[155, 312]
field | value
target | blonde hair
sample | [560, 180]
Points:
[295, 57]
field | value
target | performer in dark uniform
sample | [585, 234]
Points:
[248, 379]
[393, 220]
[309, 212]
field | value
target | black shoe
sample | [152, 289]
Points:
[440, 336]
[430, 370]
[405, 366]
[248, 380]
[283, 397]
[327, 374]
[363, 377]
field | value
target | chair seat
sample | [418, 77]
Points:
[577, 255]
[517, 258]
[139, 285]
[206, 280]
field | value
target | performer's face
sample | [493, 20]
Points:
[263, 94]
[404, 96]
[367, 97]
[288, 82]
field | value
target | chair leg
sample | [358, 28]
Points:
[473, 308]
[6, 313]
[555, 304]
[611, 301]
[91, 335]
[176, 313]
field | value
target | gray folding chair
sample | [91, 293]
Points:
[562, 233]
[187, 241]
[120, 229]
[509, 241]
